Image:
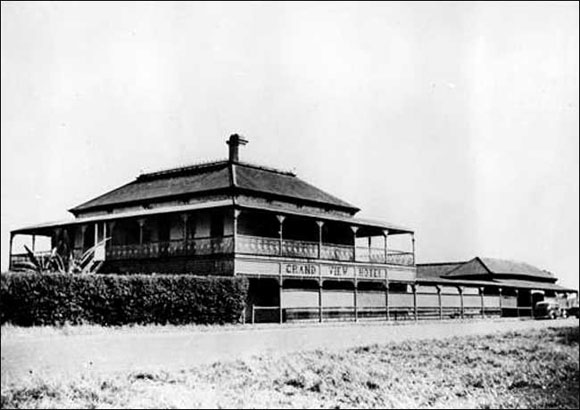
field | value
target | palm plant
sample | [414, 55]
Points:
[55, 263]
[38, 263]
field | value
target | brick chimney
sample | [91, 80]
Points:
[234, 142]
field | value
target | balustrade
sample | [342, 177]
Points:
[254, 245]
[300, 249]
[337, 252]
[400, 258]
[198, 246]
[257, 245]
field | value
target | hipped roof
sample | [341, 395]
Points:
[495, 266]
[221, 176]
[470, 272]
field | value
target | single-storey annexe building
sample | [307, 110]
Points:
[306, 254]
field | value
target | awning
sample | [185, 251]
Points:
[502, 283]
[527, 284]
[35, 229]
[46, 227]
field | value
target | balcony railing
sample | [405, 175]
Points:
[337, 252]
[256, 245]
[252, 245]
[377, 255]
[198, 246]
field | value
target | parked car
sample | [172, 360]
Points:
[549, 310]
[573, 311]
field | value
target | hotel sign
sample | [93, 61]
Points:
[334, 271]
[300, 269]
[371, 272]
[338, 271]
[323, 270]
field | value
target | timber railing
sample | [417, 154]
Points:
[257, 245]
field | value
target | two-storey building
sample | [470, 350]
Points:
[300, 246]
[306, 253]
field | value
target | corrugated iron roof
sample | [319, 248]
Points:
[286, 184]
[484, 266]
[505, 266]
[458, 274]
[211, 177]
[436, 270]
[32, 229]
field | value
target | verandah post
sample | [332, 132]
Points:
[281, 221]
[320, 300]
[280, 298]
[141, 224]
[184, 219]
[518, 302]
[355, 300]
[413, 243]
[387, 297]
[10, 251]
[386, 236]
[500, 303]
[461, 301]
[320, 225]
[481, 291]
[237, 213]
[440, 304]
[354, 229]
[83, 244]
[415, 300]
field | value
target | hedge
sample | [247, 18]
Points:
[28, 299]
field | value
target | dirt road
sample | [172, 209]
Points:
[121, 350]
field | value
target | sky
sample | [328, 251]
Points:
[458, 120]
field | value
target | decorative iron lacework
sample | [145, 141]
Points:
[199, 246]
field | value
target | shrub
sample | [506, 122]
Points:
[28, 299]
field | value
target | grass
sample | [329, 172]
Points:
[526, 369]
[9, 331]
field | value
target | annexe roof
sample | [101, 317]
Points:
[221, 176]
[494, 266]
[505, 266]
[436, 270]
[469, 273]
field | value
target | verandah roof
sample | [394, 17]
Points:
[45, 228]
[34, 229]
[503, 283]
